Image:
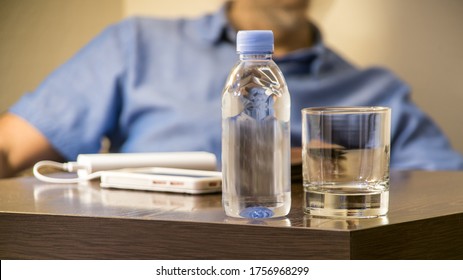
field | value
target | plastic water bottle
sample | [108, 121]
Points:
[256, 132]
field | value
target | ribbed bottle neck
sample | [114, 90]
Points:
[255, 56]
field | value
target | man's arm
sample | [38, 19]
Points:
[21, 145]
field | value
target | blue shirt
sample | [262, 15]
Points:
[152, 85]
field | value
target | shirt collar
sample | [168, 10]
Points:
[317, 47]
[216, 27]
[307, 60]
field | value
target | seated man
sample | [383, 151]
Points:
[152, 85]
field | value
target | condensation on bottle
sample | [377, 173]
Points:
[256, 132]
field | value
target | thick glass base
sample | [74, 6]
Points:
[347, 204]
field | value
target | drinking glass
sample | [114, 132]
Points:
[345, 153]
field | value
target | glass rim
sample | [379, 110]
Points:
[345, 110]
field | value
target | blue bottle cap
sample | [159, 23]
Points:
[254, 41]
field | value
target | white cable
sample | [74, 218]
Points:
[68, 166]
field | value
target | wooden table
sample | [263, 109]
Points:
[46, 221]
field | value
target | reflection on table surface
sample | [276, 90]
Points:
[343, 224]
[414, 195]
[92, 200]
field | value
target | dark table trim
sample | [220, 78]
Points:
[434, 238]
[27, 236]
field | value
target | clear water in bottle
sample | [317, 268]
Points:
[256, 140]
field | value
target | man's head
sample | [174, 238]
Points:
[286, 18]
[270, 14]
